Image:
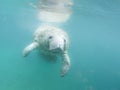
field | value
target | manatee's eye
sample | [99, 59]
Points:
[50, 37]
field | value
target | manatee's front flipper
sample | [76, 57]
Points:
[29, 48]
[65, 64]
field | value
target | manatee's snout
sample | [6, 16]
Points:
[56, 44]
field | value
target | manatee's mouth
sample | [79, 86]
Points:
[57, 50]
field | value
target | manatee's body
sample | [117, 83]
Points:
[51, 41]
[43, 34]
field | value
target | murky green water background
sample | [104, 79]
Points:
[94, 30]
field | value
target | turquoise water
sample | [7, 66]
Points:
[94, 30]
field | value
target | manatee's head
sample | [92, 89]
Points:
[56, 43]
